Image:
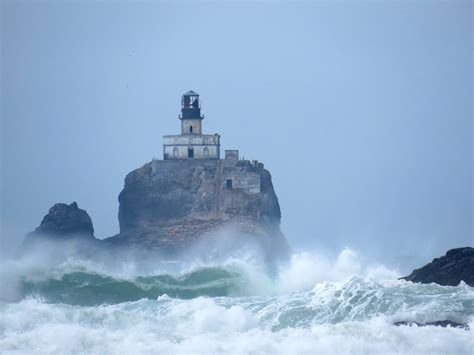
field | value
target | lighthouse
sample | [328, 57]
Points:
[191, 143]
[191, 119]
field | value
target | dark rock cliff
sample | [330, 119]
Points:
[449, 270]
[65, 228]
[169, 204]
[65, 222]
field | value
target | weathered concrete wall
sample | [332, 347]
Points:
[232, 155]
[195, 124]
[247, 181]
[205, 146]
[190, 139]
[200, 151]
[241, 175]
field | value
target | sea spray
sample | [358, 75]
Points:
[231, 305]
[293, 323]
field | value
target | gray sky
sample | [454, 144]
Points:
[362, 111]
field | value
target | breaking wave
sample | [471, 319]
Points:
[83, 288]
[308, 305]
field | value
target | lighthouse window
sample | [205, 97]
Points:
[228, 183]
[175, 151]
[190, 129]
[190, 153]
[206, 151]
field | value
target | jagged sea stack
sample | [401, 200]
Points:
[192, 193]
[64, 224]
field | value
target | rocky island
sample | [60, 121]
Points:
[449, 270]
[188, 196]
[192, 195]
[170, 203]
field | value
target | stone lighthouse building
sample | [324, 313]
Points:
[191, 143]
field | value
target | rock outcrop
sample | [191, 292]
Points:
[449, 270]
[171, 205]
[65, 222]
[439, 323]
[66, 229]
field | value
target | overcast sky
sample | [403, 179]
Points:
[362, 111]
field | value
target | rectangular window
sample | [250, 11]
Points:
[228, 183]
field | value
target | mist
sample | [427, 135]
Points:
[225, 263]
[361, 111]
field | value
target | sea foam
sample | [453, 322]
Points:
[310, 304]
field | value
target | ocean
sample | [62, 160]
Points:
[230, 304]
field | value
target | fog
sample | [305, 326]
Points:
[223, 263]
[361, 111]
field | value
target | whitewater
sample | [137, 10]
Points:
[231, 304]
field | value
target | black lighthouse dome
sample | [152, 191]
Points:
[190, 106]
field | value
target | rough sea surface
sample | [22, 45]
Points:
[231, 305]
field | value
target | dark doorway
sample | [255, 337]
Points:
[190, 153]
[228, 183]
[190, 129]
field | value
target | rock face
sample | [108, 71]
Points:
[168, 204]
[66, 222]
[65, 229]
[172, 204]
[449, 270]
[439, 323]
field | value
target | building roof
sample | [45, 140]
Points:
[191, 93]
